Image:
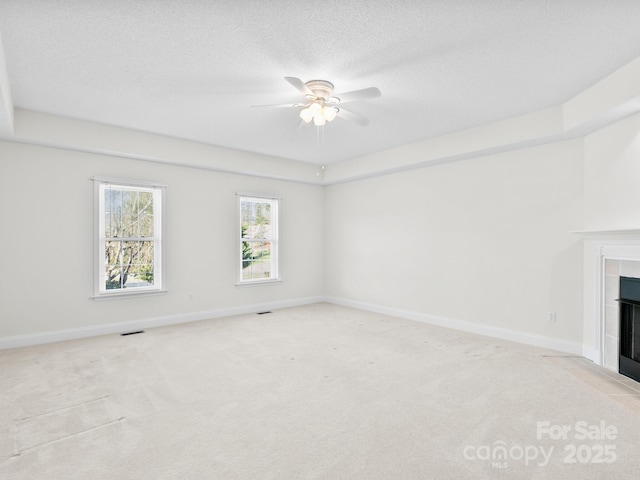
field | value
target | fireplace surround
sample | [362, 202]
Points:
[608, 256]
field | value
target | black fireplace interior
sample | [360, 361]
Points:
[630, 327]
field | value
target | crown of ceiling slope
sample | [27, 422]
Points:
[322, 105]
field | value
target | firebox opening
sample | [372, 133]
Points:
[630, 327]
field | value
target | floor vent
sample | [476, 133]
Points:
[263, 313]
[131, 333]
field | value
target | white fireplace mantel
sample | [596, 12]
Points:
[604, 234]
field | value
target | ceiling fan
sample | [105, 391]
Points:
[322, 106]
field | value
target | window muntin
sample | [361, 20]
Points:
[129, 250]
[258, 239]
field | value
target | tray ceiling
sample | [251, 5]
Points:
[192, 69]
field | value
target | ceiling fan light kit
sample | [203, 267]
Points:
[319, 113]
[322, 106]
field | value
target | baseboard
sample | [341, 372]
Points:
[564, 346]
[116, 328]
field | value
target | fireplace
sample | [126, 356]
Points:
[608, 255]
[630, 327]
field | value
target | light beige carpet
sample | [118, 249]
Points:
[316, 392]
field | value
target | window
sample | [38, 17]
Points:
[258, 239]
[129, 238]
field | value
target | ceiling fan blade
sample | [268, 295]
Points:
[371, 92]
[352, 117]
[299, 85]
[280, 105]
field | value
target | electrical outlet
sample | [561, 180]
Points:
[551, 317]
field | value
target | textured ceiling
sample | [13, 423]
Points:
[192, 68]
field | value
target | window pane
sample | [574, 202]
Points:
[256, 219]
[247, 254]
[140, 275]
[112, 200]
[257, 270]
[129, 264]
[145, 203]
[246, 212]
[256, 260]
[128, 200]
[113, 278]
[145, 224]
[112, 212]
[129, 252]
[261, 250]
[129, 226]
[113, 252]
[111, 226]
[145, 253]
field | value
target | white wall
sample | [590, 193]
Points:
[612, 176]
[484, 241]
[47, 227]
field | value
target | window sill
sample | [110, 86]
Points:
[119, 295]
[257, 283]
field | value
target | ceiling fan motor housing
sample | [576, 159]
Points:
[320, 88]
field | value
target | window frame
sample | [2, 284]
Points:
[274, 239]
[100, 292]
